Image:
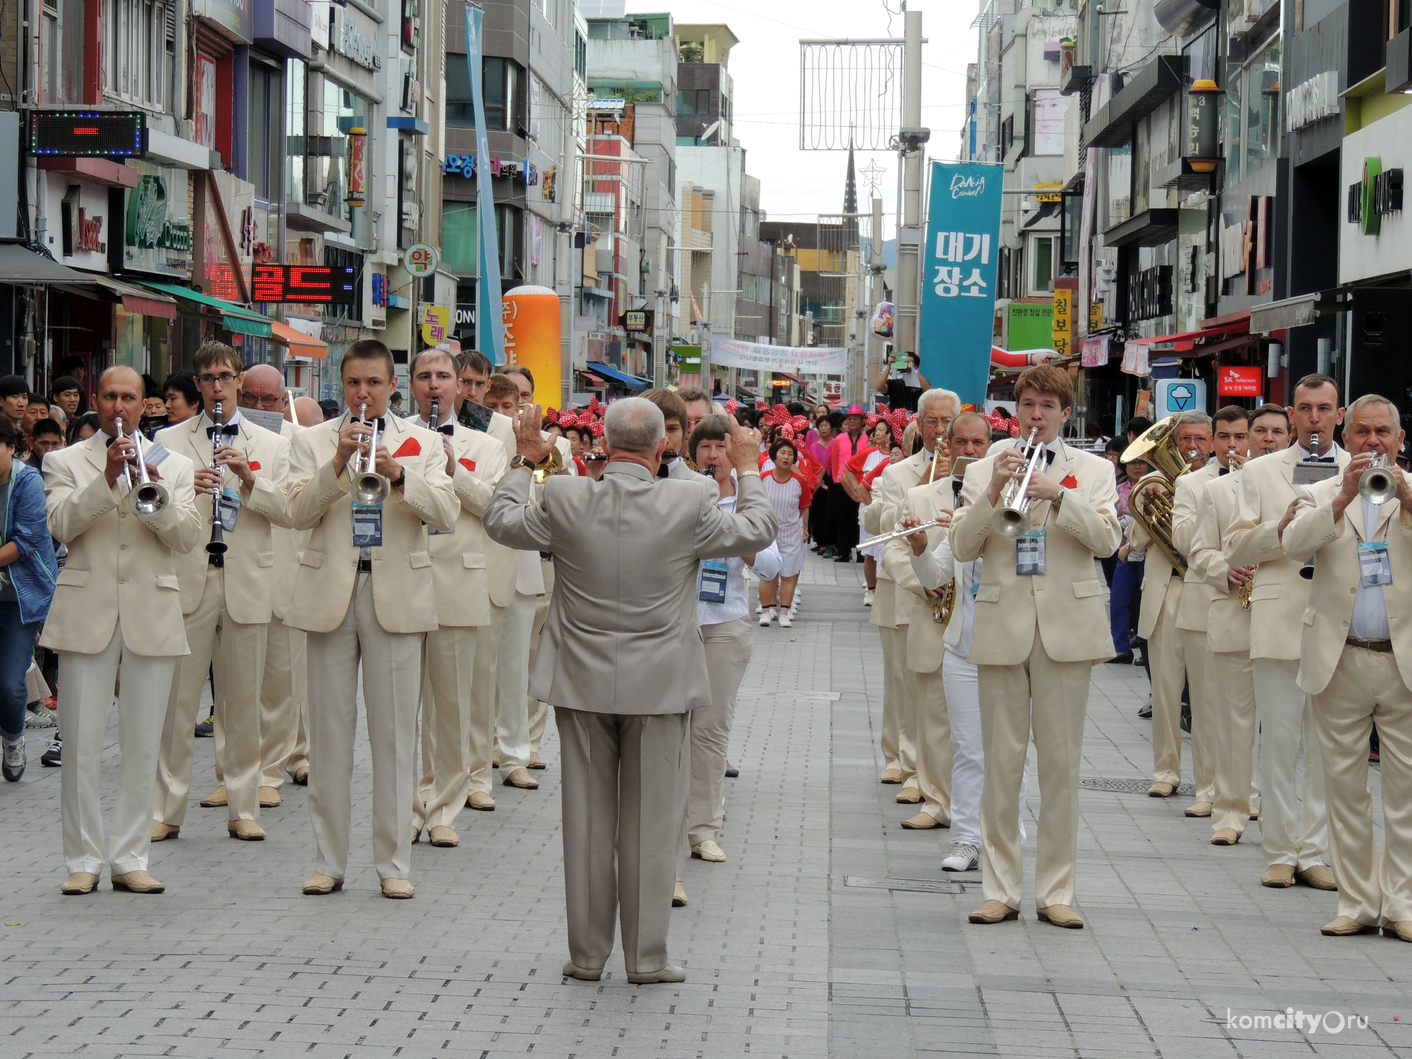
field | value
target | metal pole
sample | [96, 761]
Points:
[909, 239]
[661, 334]
[873, 361]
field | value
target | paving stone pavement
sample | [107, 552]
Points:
[829, 931]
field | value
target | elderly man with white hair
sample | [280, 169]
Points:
[622, 662]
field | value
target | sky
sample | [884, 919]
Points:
[796, 184]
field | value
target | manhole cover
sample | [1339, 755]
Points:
[1128, 786]
[921, 886]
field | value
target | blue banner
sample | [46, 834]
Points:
[958, 277]
[490, 325]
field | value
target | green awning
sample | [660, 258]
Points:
[235, 318]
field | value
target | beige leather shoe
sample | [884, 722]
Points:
[994, 912]
[522, 779]
[318, 885]
[1160, 790]
[583, 974]
[80, 882]
[245, 830]
[398, 889]
[678, 896]
[708, 851]
[1199, 809]
[300, 776]
[921, 822]
[1278, 875]
[1400, 929]
[482, 801]
[215, 799]
[909, 796]
[665, 974]
[269, 797]
[536, 762]
[1346, 926]
[1255, 812]
[1319, 877]
[1226, 836]
[416, 834]
[441, 835]
[1060, 916]
[161, 832]
[891, 776]
[137, 882]
[495, 760]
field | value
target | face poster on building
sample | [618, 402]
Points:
[959, 260]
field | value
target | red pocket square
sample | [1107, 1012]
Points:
[254, 465]
[410, 447]
[467, 463]
[1070, 482]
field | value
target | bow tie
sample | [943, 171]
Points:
[1223, 470]
[1049, 455]
[229, 430]
[1321, 459]
[956, 484]
[447, 428]
[380, 423]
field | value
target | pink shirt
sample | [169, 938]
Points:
[840, 450]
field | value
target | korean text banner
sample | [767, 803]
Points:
[801, 360]
[958, 278]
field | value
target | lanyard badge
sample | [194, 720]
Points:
[712, 584]
[1029, 554]
[1374, 565]
[367, 525]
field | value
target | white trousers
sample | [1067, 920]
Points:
[481, 733]
[931, 740]
[85, 703]
[1367, 689]
[391, 664]
[894, 732]
[512, 684]
[446, 722]
[1235, 741]
[963, 704]
[282, 699]
[1289, 833]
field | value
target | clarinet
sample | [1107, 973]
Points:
[434, 414]
[217, 544]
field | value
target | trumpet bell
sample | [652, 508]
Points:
[370, 488]
[1377, 486]
[1010, 522]
[149, 498]
[550, 465]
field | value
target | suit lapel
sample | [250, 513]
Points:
[96, 451]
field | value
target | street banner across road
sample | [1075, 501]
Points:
[958, 278]
[801, 360]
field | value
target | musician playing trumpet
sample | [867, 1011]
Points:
[1356, 663]
[943, 594]
[1040, 625]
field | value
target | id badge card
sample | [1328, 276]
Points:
[711, 587]
[367, 525]
[1029, 554]
[229, 508]
[1374, 564]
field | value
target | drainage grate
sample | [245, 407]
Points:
[1129, 786]
[921, 886]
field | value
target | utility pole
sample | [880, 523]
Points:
[661, 336]
[872, 341]
[910, 140]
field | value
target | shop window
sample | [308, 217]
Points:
[262, 154]
[296, 78]
[1262, 103]
[1041, 282]
[139, 38]
[508, 222]
[62, 54]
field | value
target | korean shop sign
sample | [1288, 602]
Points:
[1375, 196]
[959, 271]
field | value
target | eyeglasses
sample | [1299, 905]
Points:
[932, 423]
[225, 379]
[269, 400]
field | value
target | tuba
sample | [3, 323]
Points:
[1151, 499]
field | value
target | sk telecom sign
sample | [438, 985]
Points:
[1240, 381]
[958, 279]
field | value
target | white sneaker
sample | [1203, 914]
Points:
[964, 857]
[765, 617]
[868, 598]
[794, 606]
[785, 622]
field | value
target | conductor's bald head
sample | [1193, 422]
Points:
[634, 431]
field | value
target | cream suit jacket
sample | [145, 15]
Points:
[458, 558]
[120, 562]
[621, 634]
[925, 636]
[1196, 593]
[403, 595]
[249, 594]
[1227, 622]
[1280, 594]
[1334, 548]
[288, 544]
[889, 490]
[1065, 604]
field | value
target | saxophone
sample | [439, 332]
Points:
[1244, 591]
[945, 604]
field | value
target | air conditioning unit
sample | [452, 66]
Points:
[603, 260]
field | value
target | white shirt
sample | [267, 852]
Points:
[1369, 609]
[1330, 449]
[766, 568]
[938, 566]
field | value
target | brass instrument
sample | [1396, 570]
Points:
[945, 604]
[550, 465]
[1378, 485]
[1151, 499]
[148, 497]
[1013, 516]
[369, 487]
[1243, 593]
[217, 544]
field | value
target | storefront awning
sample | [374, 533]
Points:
[134, 299]
[234, 317]
[632, 382]
[1299, 311]
[23, 267]
[298, 343]
[593, 379]
[792, 378]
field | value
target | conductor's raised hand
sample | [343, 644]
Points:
[528, 441]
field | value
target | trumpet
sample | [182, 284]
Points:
[148, 497]
[217, 544]
[369, 487]
[931, 523]
[1378, 484]
[1013, 515]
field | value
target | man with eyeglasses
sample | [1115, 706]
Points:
[226, 593]
[284, 744]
